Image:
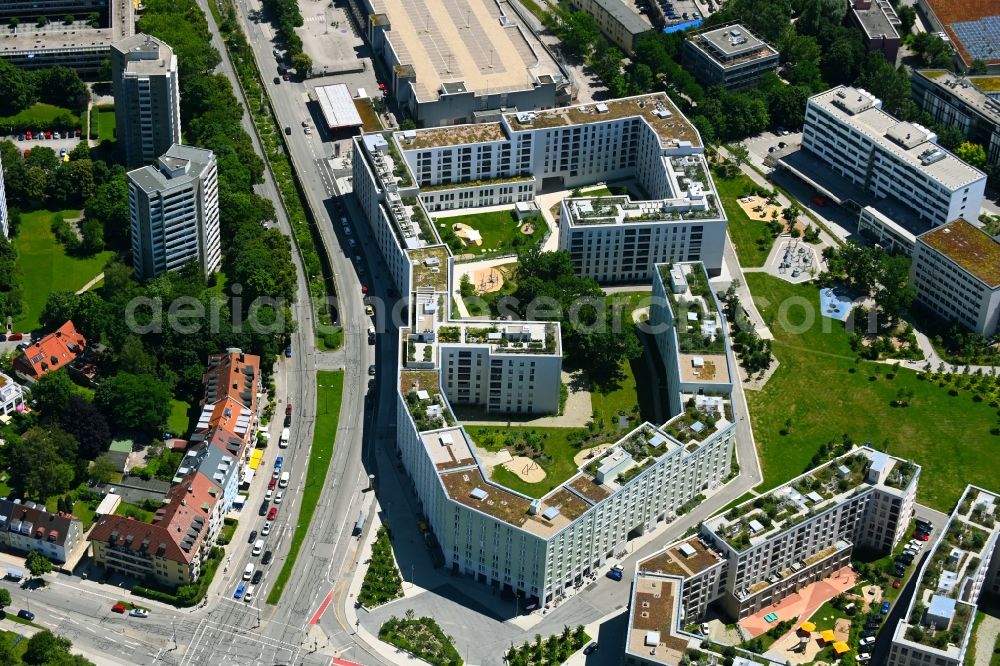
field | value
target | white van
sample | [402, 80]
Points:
[248, 572]
[248, 595]
[258, 547]
[283, 483]
[283, 442]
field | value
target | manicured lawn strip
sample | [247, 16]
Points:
[39, 116]
[134, 510]
[177, 422]
[45, 267]
[949, 436]
[498, 228]
[17, 643]
[557, 448]
[329, 391]
[106, 124]
[745, 233]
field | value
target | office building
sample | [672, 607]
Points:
[971, 27]
[11, 396]
[464, 64]
[690, 331]
[879, 23]
[851, 138]
[174, 210]
[54, 351]
[144, 81]
[730, 56]
[960, 570]
[955, 271]
[26, 527]
[4, 221]
[972, 103]
[80, 46]
[618, 20]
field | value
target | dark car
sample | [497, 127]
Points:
[288, 420]
[263, 508]
[590, 649]
[267, 557]
[288, 351]
[252, 537]
[26, 615]
[288, 129]
[614, 574]
[3, 337]
[867, 634]
[371, 370]
[257, 576]
[277, 80]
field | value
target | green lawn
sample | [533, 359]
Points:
[178, 421]
[17, 643]
[815, 388]
[499, 230]
[106, 124]
[134, 510]
[45, 267]
[330, 388]
[751, 238]
[42, 115]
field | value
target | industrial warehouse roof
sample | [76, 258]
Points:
[338, 106]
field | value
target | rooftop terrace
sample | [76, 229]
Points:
[656, 109]
[454, 135]
[505, 337]
[430, 267]
[685, 558]
[655, 603]
[972, 249]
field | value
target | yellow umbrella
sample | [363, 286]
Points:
[840, 647]
[827, 636]
[808, 627]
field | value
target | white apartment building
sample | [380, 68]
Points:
[961, 567]
[805, 530]
[11, 395]
[174, 210]
[690, 331]
[4, 223]
[848, 131]
[144, 80]
[956, 274]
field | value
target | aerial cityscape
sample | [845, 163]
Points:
[499, 332]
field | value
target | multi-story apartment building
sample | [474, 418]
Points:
[689, 328]
[730, 56]
[961, 568]
[80, 46]
[11, 396]
[879, 22]
[806, 529]
[956, 274]
[216, 465]
[4, 223]
[27, 527]
[847, 130]
[643, 138]
[618, 20]
[174, 211]
[229, 409]
[461, 65]
[144, 81]
[972, 103]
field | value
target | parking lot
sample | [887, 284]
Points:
[55, 144]
[760, 145]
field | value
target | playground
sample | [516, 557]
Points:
[487, 280]
[526, 469]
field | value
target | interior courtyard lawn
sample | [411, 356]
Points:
[815, 388]
[45, 267]
[751, 238]
[178, 421]
[106, 124]
[498, 229]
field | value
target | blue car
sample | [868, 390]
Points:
[278, 461]
[239, 591]
[885, 608]
[614, 574]
[288, 351]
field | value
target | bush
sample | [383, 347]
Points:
[382, 581]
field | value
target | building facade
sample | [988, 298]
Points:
[955, 271]
[11, 396]
[144, 81]
[27, 527]
[730, 56]
[4, 221]
[961, 569]
[174, 211]
[618, 20]
[971, 103]
[847, 130]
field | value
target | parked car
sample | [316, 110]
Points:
[614, 574]
[924, 537]
[272, 483]
[288, 350]
[279, 461]
[268, 494]
[369, 310]
[28, 135]
[285, 76]
[138, 612]
[118, 608]
[3, 337]
[263, 509]
[272, 513]
[20, 137]
[884, 610]
[26, 615]
[371, 370]
[277, 80]
[253, 536]
[364, 289]
[14, 337]
[590, 649]
[55, 135]
[278, 497]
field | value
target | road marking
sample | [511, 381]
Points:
[90, 630]
[322, 608]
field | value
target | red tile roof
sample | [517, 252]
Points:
[55, 350]
[234, 375]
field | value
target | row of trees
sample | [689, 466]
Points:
[288, 17]
[58, 85]
[754, 352]
[43, 180]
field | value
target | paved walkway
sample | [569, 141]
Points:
[90, 284]
[986, 638]
[803, 604]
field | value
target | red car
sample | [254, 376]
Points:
[272, 513]
[818, 200]
[924, 537]
[272, 483]
[78, 133]
[27, 151]
[364, 289]
[14, 337]
[27, 135]
[118, 608]
[285, 76]
[288, 409]
[382, 87]
[48, 135]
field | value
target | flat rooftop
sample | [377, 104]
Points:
[656, 109]
[624, 12]
[653, 618]
[972, 90]
[425, 261]
[732, 45]
[448, 449]
[464, 41]
[56, 35]
[533, 337]
[455, 135]
[970, 248]
[910, 143]
[964, 21]
[684, 558]
[875, 22]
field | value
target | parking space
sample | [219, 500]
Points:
[763, 144]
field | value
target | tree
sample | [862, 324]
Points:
[302, 64]
[978, 67]
[972, 153]
[52, 392]
[85, 422]
[579, 33]
[45, 461]
[907, 16]
[14, 22]
[934, 51]
[950, 137]
[37, 564]
[16, 92]
[109, 205]
[134, 402]
[740, 154]
[103, 470]
[5, 599]
[47, 649]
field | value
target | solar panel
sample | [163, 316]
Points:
[980, 38]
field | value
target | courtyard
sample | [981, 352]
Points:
[491, 232]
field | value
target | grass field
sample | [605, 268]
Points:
[178, 421]
[498, 229]
[14, 641]
[751, 238]
[45, 267]
[330, 388]
[134, 510]
[39, 114]
[106, 124]
[815, 388]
